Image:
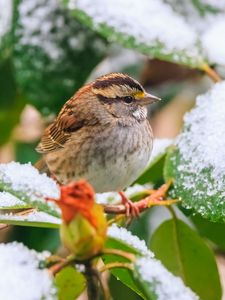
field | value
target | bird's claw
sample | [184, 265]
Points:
[132, 211]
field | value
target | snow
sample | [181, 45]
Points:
[128, 238]
[165, 285]
[143, 20]
[25, 180]
[48, 26]
[21, 277]
[36, 26]
[5, 16]
[202, 150]
[115, 198]
[34, 217]
[8, 200]
[159, 147]
[218, 4]
[214, 42]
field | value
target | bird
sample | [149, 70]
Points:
[102, 135]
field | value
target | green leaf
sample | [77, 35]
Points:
[70, 283]
[51, 64]
[33, 219]
[215, 232]
[124, 275]
[118, 25]
[196, 163]
[185, 254]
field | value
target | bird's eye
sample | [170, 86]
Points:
[128, 99]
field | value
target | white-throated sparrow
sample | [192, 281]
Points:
[101, 134]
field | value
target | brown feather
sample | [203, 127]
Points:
[42, 166]
[59, 132]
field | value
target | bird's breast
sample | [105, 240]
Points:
[110, 159]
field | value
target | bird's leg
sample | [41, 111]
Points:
[157, 195]
[131, 209]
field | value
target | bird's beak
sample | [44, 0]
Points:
[149, 99]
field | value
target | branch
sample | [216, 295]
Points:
[155, 199]
[211, 73]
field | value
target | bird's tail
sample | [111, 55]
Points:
[42, 166]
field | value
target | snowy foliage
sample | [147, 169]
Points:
[214, 43]
[25, 182]
[34, 218]
[164, 285]
[5, 17]
[7, 200]
[148, 32]
[159, 147]
[127, 237]
[191, 43]
[198, 165]
[21, 277]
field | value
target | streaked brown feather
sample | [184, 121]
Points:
[58, 133]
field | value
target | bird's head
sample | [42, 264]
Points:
[122, 96]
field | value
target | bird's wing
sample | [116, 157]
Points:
[58, 133]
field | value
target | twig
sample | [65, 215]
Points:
[211, 73]
[59, 266]
[20, 213]
[119, 252]
[93, 282]
[155, 199]
[116, 265]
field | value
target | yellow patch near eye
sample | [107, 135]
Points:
[139, 95]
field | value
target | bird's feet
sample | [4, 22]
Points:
[132, 210]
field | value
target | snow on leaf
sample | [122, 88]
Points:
[159, 148]
[8, 201]
[149, 271]
[157, 281]
[21, 278]
[33, 218]
[52, 47]
[115, 198]
[25, 182]
[198, 165]
[138, 25]
[5, 17]
[213, 41]
[128, 238]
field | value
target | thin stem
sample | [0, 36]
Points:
[211, 73]
[116, 265]
[59, 266]
[172, 211]
[104, 287]
[92, 282]
[118, 252]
